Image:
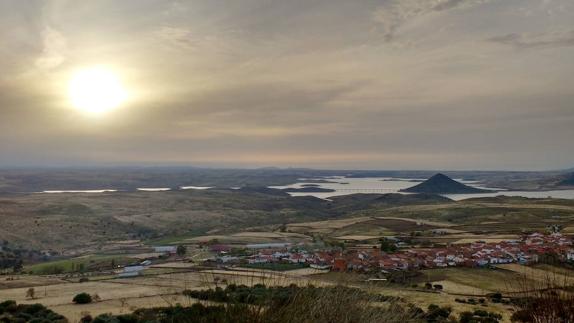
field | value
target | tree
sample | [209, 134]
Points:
[181, 250]
[18, 266]
[388, 246]
[31, 293]
[82, 298]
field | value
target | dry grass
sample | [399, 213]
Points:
[252, 237]
[21, 281]
[326, 225]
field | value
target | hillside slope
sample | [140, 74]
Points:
[72, 221]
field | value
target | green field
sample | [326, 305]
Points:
[80, 264]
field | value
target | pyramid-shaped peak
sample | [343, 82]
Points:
[442, 184]
[439, 176]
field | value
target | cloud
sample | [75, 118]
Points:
[174, 34]
[293, 82]
[54, 52]
[540, 40]
[395, 13]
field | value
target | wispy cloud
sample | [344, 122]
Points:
[394, 13]
[54, 51]
[540, 40]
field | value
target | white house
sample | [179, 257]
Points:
[131, 271]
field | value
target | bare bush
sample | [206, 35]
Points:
[548, 299]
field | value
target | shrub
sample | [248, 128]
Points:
[82, 298]
[479, 316]
[181, 250]
[495, 297]
[437, 314]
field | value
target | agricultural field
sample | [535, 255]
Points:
[124, 295]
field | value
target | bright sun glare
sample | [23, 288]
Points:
[96, 90]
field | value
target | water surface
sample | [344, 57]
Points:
[382, 185]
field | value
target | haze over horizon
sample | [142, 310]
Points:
[388, 84]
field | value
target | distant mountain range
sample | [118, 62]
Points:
[442, 184]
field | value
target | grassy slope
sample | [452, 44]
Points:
[489, 214]
[46, 221]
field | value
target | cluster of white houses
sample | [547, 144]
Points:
[524, 251]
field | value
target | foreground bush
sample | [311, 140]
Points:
[260, 294]
[479, 316]
[259, 304]
[10, 312]
[547, 307]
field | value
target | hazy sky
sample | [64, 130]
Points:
[387, 84]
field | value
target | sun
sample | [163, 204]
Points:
[96, 90]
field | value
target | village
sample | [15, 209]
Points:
[370, 258]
